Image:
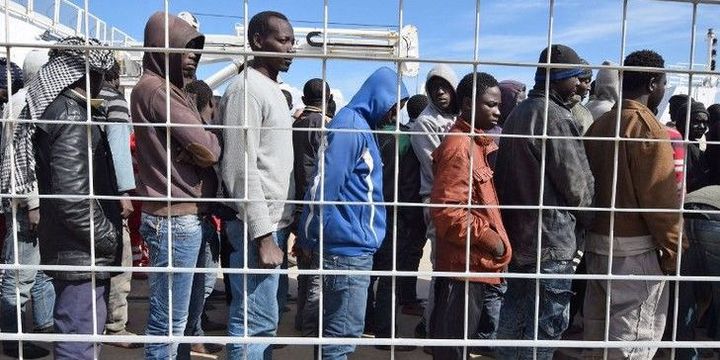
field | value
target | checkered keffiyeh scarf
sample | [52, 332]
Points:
[65, 67]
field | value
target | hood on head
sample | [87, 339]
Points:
[607, 84]
[377, 95]
[509, 91]
[446, 73]
[34, 60]
[180, 35]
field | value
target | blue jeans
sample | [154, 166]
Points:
[262, 309]
[701, 259]
[518, 310]
[344, 301]
[30, 282]
[187, 232]
[207, 258]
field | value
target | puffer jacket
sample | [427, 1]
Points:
[452, 223]
[62, 169]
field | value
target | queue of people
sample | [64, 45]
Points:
[497, 178]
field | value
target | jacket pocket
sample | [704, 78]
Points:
[482, 186]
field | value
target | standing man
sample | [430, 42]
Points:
[489, 246]
[257, 165]
[583, 116]
[116, 111]
[305, 149]
[643, 243]
[567, 183]
[350, 172]
[70, 226]
[33, 283]
[193, 151]
[433, 123]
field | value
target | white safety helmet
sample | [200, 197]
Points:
[190, 19]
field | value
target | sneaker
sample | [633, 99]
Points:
[206, 348]
[30, 350]
[124, 345]
[414, 309]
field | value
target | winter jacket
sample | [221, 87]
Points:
[352, 173]
[62, 169]
[194, 150]
[645, 178]
[433, 124]
[451, 186]
[568, 181]
[607, 86]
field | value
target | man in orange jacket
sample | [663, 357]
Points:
[467, 145]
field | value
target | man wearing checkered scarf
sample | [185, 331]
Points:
[72, 223]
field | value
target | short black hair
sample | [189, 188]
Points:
[114, 72]
[288, 98]
[203, 93]
[633, 80]
[312, 92]
[714, 112]
[416, 104]
[484, 82]
[260, 24]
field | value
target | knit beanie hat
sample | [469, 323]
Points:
[560, 54]
[678, 107]
[15, 73]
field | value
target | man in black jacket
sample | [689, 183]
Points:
[73, 227]
[305, 147]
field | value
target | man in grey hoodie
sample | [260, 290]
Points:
[433, 122]
[607, 84]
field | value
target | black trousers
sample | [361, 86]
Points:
[448, 317]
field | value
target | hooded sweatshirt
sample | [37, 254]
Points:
[509, 91]
[607, 85]
[352, 174]
[194, 150]
[433, 123]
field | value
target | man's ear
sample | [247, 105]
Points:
[652, 84]
[256, 43]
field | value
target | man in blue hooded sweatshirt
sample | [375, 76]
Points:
[349, 171]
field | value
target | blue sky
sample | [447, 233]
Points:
[509, 30]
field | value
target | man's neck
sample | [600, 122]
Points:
[261, 68]
[637, 97]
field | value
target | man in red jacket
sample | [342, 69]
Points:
[459, 222]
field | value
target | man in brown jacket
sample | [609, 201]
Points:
[181, 223]
[644, 243]
[489, 245]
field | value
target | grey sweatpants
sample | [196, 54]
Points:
[638, 308]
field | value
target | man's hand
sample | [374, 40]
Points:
[33, 220]
[126, 207]
[270, 255]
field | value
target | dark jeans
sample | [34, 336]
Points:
[701, 259]
[409, 246]
[518, 310]
[73, 315]
[448, 319]
[490, 317]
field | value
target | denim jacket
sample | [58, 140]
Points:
[568, 181]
